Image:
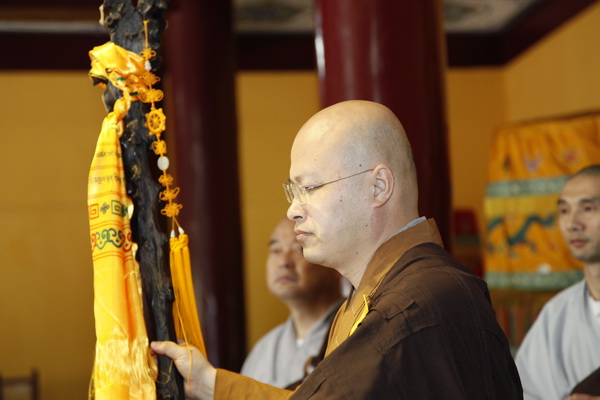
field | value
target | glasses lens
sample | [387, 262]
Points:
[299, 194]
[289, 193]
[293, 191]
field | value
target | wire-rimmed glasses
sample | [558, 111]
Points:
[296, 191]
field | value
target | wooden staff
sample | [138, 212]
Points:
[125, 25]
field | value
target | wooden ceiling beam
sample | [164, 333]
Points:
[25, 49]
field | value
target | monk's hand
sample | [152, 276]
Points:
[199, 375]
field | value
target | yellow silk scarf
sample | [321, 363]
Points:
[123, 368]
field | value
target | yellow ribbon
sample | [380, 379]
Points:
[188, 326]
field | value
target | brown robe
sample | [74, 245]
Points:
[430, 333]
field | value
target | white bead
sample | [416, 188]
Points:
[163, 163]
[148, 66]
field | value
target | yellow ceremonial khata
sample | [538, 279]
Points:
[124, 368]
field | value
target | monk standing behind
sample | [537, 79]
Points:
[312, 294]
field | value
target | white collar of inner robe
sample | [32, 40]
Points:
[594, 306]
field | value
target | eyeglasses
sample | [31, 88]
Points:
[295, 191]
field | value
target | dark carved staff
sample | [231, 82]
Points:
[125, 25]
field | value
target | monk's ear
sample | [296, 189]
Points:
[384, 185]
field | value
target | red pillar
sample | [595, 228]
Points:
[199, 48]
[393, 52]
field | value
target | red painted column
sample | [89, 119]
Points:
[199, 48]
[393, 52]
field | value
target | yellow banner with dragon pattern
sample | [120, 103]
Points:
[529, 164]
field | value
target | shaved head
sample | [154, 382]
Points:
[360, 134]
[356, 160]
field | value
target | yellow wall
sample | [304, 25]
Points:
[476, 105]
[271, 109]
[560, 74]
[49, 126]
[46, 308]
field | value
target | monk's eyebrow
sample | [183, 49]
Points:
[272, 242]
[585, 200]
[303, 177]
[590, 200]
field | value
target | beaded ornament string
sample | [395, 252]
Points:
[156, 124]
[185, 303]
